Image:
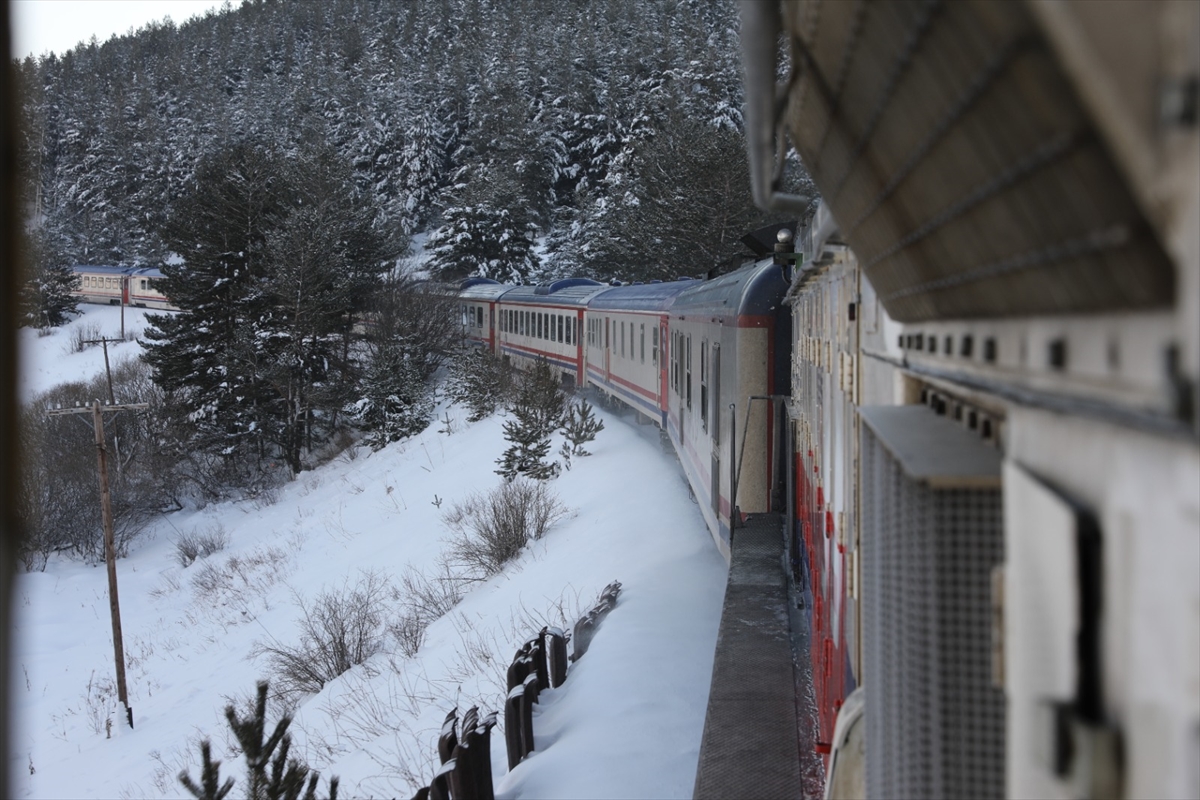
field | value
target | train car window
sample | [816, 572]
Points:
[654, 345]
[607, 326]
[643, 342]
[622, 338]
[143, 284]
[715, 380]
[687, 378]
[675, 362]
[704, 385]
[560, 328]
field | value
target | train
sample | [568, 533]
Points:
[972, 390]
[688, 355]
[130, 286]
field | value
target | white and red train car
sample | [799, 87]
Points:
[698, 358]
[130, 286]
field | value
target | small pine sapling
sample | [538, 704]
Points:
[537, 412]
[209, 777]
[580, 427]
[287, 778]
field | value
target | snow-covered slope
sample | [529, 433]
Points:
[626, 723]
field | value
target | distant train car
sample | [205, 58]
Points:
[546, 322]
[701, 359]
[131, 286]
[478, 298]
[626, 340]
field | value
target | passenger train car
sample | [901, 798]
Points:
[131, 286]
[697, 358]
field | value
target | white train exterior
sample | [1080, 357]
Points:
[994, 401]
[131, 286]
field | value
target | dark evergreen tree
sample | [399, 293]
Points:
[46, 295]
[395, 401]
[483, 241]
[537, 411]
[275, 257]
[270, 773]
[580, 427]
[479, 381]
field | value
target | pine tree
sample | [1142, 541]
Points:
[484, 241]
[537, 412]
[276, 258]
[580, 427]
[395, 401]
[479, 381]
[46, 299]
[287, 776]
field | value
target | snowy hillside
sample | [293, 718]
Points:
[627, 722]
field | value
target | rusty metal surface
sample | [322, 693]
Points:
[749, 747]
[962, 165]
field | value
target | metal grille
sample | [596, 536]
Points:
[935, 723]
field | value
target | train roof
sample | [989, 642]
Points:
[757, 289]
[100, 270]
[564, 292]
[482, 289]
[641, 296]
[146, 272]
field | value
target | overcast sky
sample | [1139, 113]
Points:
[59, 25]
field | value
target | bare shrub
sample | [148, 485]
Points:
[423, 599]
[431, 598]
[489, 530]
[339, 629]
[409, 632]
[200, 544]
[82, 334]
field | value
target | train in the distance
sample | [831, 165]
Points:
[692, 356]
[130, 286]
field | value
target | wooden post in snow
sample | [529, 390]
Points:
[110, 550]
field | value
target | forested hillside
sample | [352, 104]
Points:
[611, 129]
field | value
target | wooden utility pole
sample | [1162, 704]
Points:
[103, 341]
[110, 550]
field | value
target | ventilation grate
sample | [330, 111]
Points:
[935, 722]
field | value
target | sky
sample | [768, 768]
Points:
[59, 25]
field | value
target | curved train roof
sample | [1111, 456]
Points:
[483, 289]
[565, 292]
[148, 272]
[757, 289]
[641, 296]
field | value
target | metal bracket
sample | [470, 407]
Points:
[766, 142]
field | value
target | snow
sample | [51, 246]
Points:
[626, 723]
[47, 361]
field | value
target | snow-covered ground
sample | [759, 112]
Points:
[626, 723]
